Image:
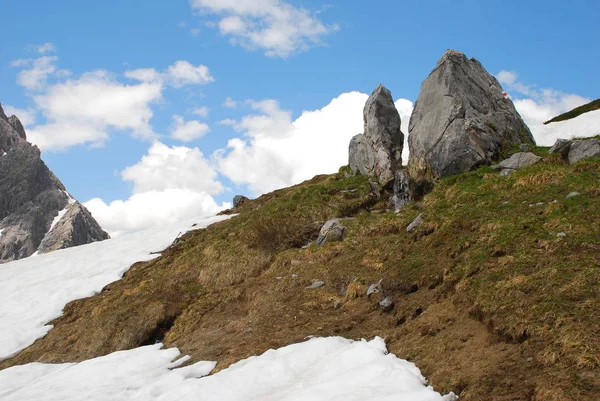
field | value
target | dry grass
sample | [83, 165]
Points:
[488, 301]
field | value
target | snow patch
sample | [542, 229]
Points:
[34, 291]
[320, 369]
[71, 199]
[58, 217]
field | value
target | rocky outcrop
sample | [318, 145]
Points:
[378, 150]
[238, 200]
[75, 227]
[461, 120]
[30, 194]
[576, 150]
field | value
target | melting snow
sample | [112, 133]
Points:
[320, 369]
[34, 291]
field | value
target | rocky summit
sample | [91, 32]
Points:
[378, 150]
[35, 207]
[462, 119]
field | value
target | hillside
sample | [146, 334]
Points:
[576, 112]
[489, 302]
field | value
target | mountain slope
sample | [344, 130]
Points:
[489, 301]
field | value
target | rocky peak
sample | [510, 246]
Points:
[378, 150]
[31, 197]
[2, 114]
[461, 120]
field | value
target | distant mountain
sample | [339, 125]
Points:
[37, 214]
[576, 112]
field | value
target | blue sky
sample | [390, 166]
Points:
[165, 137]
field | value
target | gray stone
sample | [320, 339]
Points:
[386, 304]
[572, 194]
[316, 284]
[76, 227]
[416, 223]
[561, 235]
[461, 120]
[519, 160]
[374, 288]
[378, 150]
[239, 200]
[30, 195]
[562, 147]
[506, 172]
[584, 149]
[331, 231]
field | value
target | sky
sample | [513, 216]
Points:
[156, 111]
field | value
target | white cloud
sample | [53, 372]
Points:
[228, 121]
[35, 77]
[26, 116]
[275, 26]
[86, 109]
[537, 105]
[178, 74]
[169, 184]
[279, 152]
[144, 75]
[229, 103]
[60, 136]
[46, 48]
[184, 73]
[93, 104]
[195, 31]
[200, 111]
[165, 167]
[187, 131]
[152, 209]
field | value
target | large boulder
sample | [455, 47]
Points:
[519, 160]
[378, 150]
[461, 120]
[585, 149]
[31, 196]
[576, 150]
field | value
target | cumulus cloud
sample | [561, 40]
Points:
[36, 75]
[537, 105]
[46, 48]
[276, 151]
[274, 26]
[60, 136]
[84, 110]
[187, 131]
[151, 209]
[229, 103]
[184, 73]
[200, 111]
[178, 74]
[169, 184]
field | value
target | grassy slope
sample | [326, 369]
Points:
[576, 112]
[489, 301]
